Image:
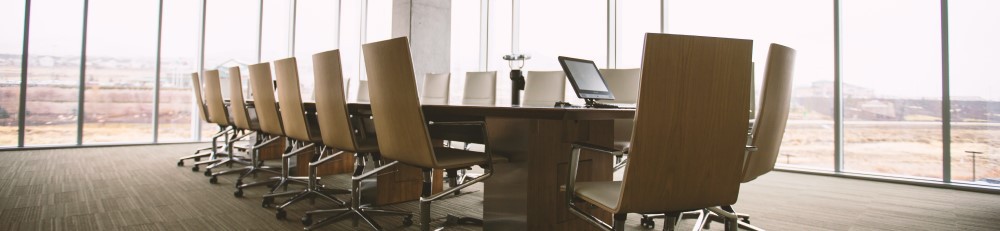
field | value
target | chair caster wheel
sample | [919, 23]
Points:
[267, 202]
[196, 159]
[647, 223]
[280, 214]
[408, 220]
[213, 180]
[180, 163]
[195, 168]
[238, 193]
[208, 172]
[307, 220]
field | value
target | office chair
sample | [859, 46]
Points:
[689, 133]
[302, 129]
[624, 84]
[246, 125]
[769, 126]
[436, 87]
[480, 88]
[271, 129]
[339, 133]
[218, 115]
[544, 88]
[203, 112]
[401, 128]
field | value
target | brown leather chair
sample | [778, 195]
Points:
[203, 112]
[401, 128]
[338, 133]
[218, 115]
[302, 130]
[689, 133]
[246, 126]
[769, 127]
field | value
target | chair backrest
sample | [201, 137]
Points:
[213, 98]
[399, 121]
[293, 116]
[624, 84]
[480, 88]
[331, 102]
[690, 124]
[544, 88]
[237, 105]
[362, 96]
[436, 87]
[769, 126]
[196, 87]
[263, 99]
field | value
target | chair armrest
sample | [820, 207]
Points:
[597, 148]
[458, 123]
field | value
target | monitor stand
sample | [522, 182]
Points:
[592, 103]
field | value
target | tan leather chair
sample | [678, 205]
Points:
[624, 84]
[689, 133]
[769, 126]
[400, 125]
[480, 88]
[218, 115]
[203, 113]
[362, 94]
[245, 125]
[271, 129]
[338, 133]
[544, 88]
[436, 88]
[302, 129]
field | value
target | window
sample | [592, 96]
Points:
[499, 44]
[53, 72]
[635, 19]
[975, 105]
[230, 29]
[276, 31]
[808, 140]
[891, 52]
[120, 71]
[377, 27]
[12, 16]
[178, 59]
[315, 32]
[350, 45]
[465, 30]
[550, 29]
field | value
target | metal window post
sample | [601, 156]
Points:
[612, 43]
[484, 34]
[22, 101]
[201, 67]
[80, 116]
[838, 102]
[156, 85]
[946, 98]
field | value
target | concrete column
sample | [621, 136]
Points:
[427, 23]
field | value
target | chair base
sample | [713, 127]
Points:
[363, 212]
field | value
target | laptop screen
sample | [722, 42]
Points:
[585, 78]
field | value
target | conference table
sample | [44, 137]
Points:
[524, 193]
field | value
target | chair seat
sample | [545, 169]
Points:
[603, 194]
[449, 158]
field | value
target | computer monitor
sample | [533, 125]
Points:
[586, 79]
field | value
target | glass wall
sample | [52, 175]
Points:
[465, 38]
[891, 57]
[276, 30]
[350, 45]
[11, 44]
[54, 48]
[635, 19]
[377, 26]
[973, 29]
[230, 40]
[178, 59]
[499, 44]
[580, 32]
[316, 30]
[808, 140]
[120, 71]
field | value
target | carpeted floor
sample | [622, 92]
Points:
[141, 188]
